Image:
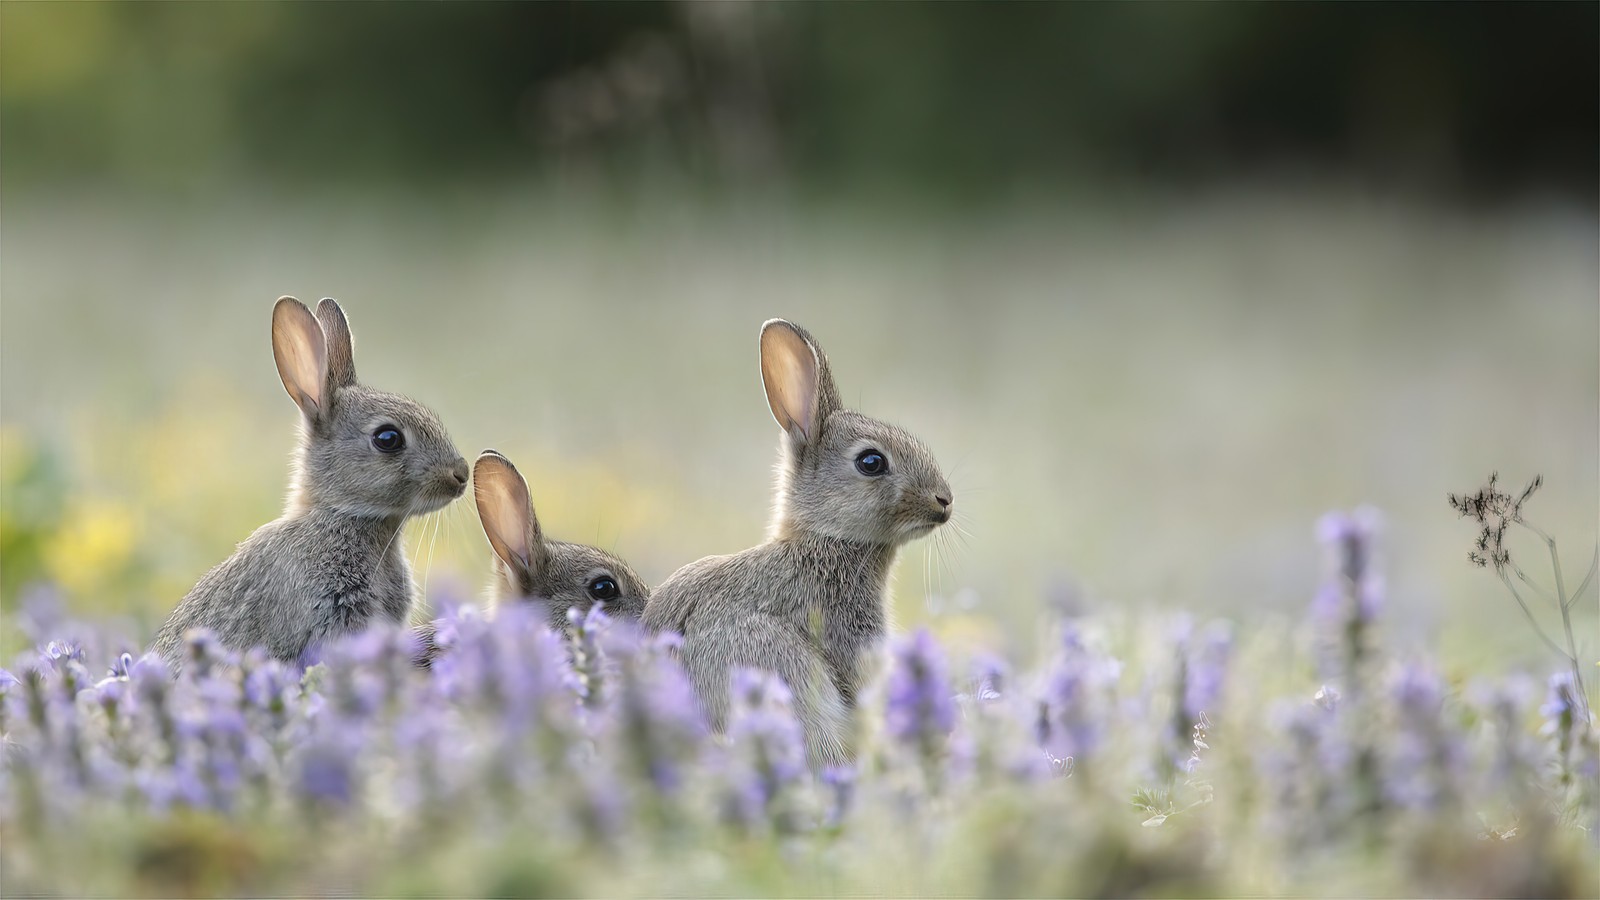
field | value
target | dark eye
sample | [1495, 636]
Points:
[604, 588]
[871, 462]
[388, 439]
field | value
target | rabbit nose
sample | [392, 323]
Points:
[460, 473]
[942, 500]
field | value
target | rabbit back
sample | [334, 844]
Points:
[295, 583]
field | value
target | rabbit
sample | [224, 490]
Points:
[809, 603]
[334, 562]
[528, 567]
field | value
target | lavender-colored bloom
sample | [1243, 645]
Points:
[1206, 670]
[1576, 744]
[58, 653]
[921, 710]
[122, 666]
[325, 771]
[1304, 765]
[1560, 709]
[1351, 596]
[310, 656]
[1424, 764]
[1354, 590]
[990, 679]
[512, 663]
[655, 717]
[266, 682]
[203, 654]
[1201, 662]
[495, 750]
[1069, 721]
[768, 747]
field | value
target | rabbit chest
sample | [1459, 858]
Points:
[357, 574]
[846, 610]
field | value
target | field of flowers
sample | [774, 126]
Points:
[1162, 757]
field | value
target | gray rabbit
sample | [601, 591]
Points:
[334, 561]
[531, 568]
[809, 603]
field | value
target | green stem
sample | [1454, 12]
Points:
[1523, 577]
[1529, 614]
[1566, 619]
[1583, 585]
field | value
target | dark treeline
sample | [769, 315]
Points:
[951, 98]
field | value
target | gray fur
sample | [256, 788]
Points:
[810, 603]
[334, 561]
[530, 568]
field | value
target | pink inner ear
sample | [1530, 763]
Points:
[504, 507]
[301, 353]
[789, 371]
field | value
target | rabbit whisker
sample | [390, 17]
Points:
[405, 517]
[927, 583]
[435, 518]
[946, 551]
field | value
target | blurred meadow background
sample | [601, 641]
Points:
[1158, 283]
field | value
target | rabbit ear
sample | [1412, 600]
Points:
[301, 352]
[506, 511]
[800, 388]
[341, 350]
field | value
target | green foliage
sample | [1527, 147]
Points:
[943, 100]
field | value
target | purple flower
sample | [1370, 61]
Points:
[1354, 589]
[122, 666]
[1201, 670]
[1351, 596]
[325, 771]
[203, 653]
[1304, 762]
[654, 718]
[921, 710]
[61, 652]
[1576, 746]
[1206, 670]
[1069, 720]
[990, 679]
[1560, 708]
[840, 782]
[768, 745]
[1424, 761]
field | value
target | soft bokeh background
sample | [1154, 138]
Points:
[1158, 283]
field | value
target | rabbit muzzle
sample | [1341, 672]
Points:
[922, 518]
[446, 486]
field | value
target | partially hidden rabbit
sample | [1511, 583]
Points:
[531, 568]
[809, 604]
[334, 562]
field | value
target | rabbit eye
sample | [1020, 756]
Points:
[604, 588]
[871, 462]
[388, 439]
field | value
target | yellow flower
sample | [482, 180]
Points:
[93, 546]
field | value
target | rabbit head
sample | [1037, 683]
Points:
[530, 567]
[362, 452]
[842, 474]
